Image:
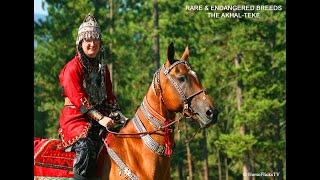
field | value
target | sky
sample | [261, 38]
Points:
[38, 9]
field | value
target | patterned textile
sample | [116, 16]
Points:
[51, 160]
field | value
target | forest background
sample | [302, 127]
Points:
[240, 61]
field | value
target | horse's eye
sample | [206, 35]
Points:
[181, 78]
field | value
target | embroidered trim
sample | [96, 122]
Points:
[73, 140]
[85, 103]
[54, 166]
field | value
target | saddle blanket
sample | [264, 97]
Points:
[51, 159]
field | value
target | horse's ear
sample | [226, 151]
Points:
[170, 53]
[185, 55]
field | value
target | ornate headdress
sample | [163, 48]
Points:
[88, 29]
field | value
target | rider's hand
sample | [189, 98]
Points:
[106, 122]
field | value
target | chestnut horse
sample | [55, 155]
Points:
[175, 88]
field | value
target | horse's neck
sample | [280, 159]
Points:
[134, 147]
[156, 103]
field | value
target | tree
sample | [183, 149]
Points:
[156, 34]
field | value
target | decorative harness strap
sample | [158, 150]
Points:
[147, 139]
[155, 122]
[166, 73]
[123, 167]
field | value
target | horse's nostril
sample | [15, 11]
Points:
[209, 113]
[212, 113]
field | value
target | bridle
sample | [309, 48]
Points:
[187, 109]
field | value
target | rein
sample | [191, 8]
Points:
[146, 132]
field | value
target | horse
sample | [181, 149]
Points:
[142, 148]
[146, 155]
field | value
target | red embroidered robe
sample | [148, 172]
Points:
[73, 124]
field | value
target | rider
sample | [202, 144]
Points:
[88, 96]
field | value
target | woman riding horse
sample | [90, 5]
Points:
[142, 149]
[88, 92]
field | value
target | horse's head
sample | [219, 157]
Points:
[182, 90]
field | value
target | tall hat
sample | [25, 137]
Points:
[88, 29]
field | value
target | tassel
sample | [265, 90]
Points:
[167, 140]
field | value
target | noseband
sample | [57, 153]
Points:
[187, 109]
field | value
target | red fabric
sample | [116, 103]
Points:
[36, 141]
[51, 160]
[73, 124]
[167, 140]
[108, 139]
[51, 172]
[50, 153]
[71, 79]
